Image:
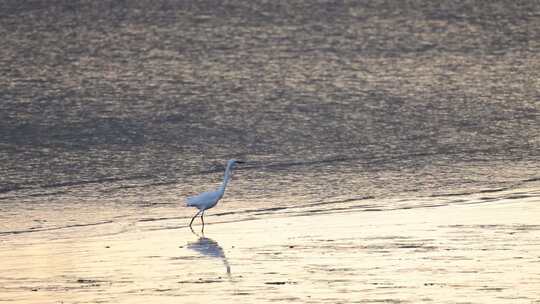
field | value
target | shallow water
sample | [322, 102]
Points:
[481, 252]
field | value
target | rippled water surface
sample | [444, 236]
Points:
[112, 112]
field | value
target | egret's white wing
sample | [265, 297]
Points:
[204, 199]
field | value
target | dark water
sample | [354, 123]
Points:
[119, 109]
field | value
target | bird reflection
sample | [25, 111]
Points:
[207, 247]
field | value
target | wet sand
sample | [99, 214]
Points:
[469, 253]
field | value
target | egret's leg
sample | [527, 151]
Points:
[194, 218]
[202, 219]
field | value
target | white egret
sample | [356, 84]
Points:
[207, 200]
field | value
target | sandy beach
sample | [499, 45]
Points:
[468, 253]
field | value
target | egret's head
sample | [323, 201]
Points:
[233, 162]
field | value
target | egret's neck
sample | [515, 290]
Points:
[225, 179]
